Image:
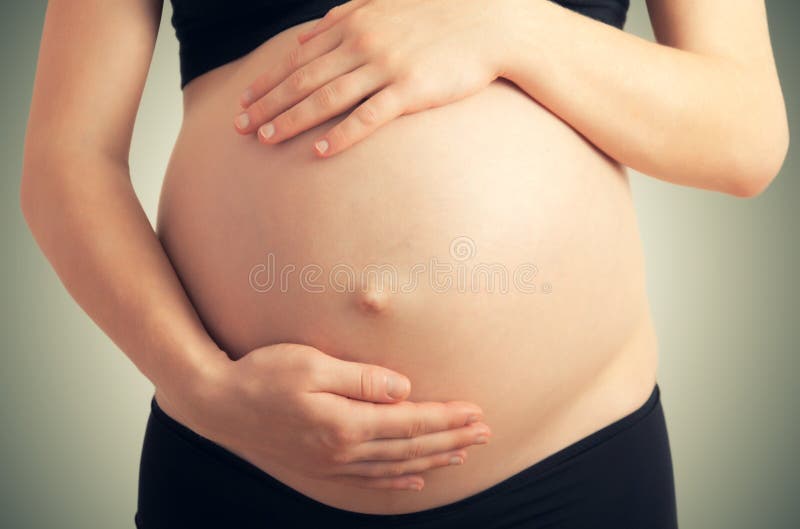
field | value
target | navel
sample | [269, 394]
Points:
[372, 300]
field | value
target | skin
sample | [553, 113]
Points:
[704, 108]
[78, 201]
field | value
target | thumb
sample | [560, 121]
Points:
[365, 382]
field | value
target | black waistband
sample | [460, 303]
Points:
[533, 478]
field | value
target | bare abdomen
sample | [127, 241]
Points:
[484, 249]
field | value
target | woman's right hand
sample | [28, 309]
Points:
[328, 418]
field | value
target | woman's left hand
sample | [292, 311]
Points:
[400, 56]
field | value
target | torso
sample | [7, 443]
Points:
[557, 356]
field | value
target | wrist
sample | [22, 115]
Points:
[505, 22]
[518, 27]
[192, 383]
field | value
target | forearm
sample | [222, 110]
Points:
[679, 116]
[90, 225]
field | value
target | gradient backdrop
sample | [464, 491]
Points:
[720, 279]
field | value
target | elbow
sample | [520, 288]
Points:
[761, 148]
[750, 188]
[761, 169]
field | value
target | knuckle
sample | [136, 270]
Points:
[326, 96]
[327, 439]
[294, 58]
[368, 373]
[389, 60]
[394, 470]
[366, 42]
[297, 80]
[341, 436]
[345, 436]
[340, 457]
[416, 427]
[413, 78]
[367, 115]
[338, 136]
[414, 450]
[333, 12]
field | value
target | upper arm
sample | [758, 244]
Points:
[93, 62]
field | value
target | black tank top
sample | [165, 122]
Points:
[213, 32]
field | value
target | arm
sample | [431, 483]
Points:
[702, 107]
[316, 414]
[77, 197]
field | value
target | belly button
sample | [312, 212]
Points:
[372, 300]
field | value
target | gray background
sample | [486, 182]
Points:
[73, 408]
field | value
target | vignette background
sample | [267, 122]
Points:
[721, 280]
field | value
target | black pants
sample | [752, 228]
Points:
[619, 477]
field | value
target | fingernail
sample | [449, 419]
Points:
[481, 439]
[396, 387]
[455, 460]
[267, 131]
[247, 97]
[321, 146]
[242, 121]
[472, 418]
[414, 486]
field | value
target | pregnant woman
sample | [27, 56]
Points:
[396, 279]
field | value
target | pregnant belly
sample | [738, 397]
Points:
[484, 249]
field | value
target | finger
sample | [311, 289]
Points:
[422, 445]
[299, 85]
[407, 419]
[294, 59]
[365, 382]
[413, 482]
[385, 469]
[324, 103]
[334, 15]
[373, 113]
